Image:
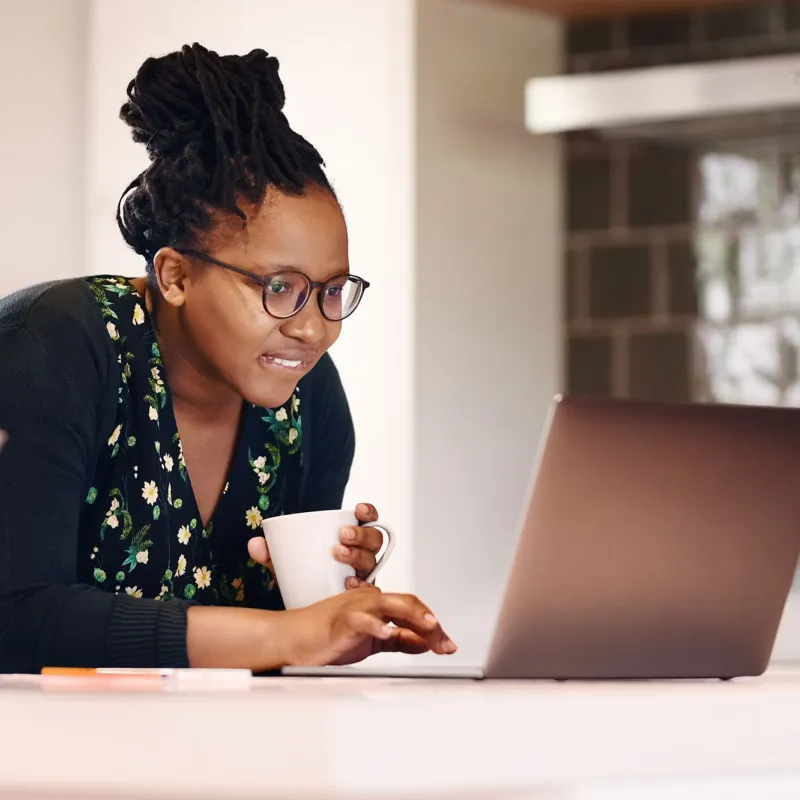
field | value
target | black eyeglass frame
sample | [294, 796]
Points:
[264, 280]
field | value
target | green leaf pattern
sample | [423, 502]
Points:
[140, 525]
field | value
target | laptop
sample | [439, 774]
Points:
[657, 541]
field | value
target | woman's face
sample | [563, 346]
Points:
[231, 336]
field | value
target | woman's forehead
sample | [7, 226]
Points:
[306, 232]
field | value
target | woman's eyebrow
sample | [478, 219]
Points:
[266, 272]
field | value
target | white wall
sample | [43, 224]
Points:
[348, 71]
[488, 346]
[417, 107]
[41, 158]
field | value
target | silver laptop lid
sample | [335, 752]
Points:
[658, 541]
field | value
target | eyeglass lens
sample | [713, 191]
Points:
[286, 292]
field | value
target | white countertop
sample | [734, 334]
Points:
[372, 738]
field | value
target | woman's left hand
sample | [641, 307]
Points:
[359, 546]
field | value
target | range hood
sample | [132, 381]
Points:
[725, 99]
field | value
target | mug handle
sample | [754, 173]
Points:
[389, 538]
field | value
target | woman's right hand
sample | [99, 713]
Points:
[351, 626]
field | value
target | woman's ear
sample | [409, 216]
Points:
[170, 269]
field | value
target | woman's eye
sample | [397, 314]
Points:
[333, 291]
[278, 287]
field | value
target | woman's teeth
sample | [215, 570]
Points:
[283, 362]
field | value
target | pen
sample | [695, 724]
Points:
[130, 671]
[180, 678]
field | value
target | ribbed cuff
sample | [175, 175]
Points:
[147, 633]
[171, 650]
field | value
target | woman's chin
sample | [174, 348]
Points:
[272, 386]
[272, 396]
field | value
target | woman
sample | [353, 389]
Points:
[153, 423]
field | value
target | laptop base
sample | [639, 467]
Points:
[389, 671]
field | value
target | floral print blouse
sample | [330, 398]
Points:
[102, 547]
[141, 529]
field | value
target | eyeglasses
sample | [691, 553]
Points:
[285, 293]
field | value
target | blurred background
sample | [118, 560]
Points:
[597, 195]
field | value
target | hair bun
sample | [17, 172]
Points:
[174, 100]
[218, 138]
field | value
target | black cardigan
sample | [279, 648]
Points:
[59, 379]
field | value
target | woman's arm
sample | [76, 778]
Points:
[58, 383]
[343, 629]
[235, 638]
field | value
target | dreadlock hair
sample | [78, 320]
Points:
[216, 134]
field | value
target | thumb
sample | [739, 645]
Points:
[257, 548]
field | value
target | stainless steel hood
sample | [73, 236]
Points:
[689, 101]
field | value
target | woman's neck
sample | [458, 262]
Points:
[195, 390]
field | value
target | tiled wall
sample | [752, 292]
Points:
[632, 296]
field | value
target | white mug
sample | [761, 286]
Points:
[301, 548]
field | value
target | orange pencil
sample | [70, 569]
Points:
[88, 672]
[172, 678]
